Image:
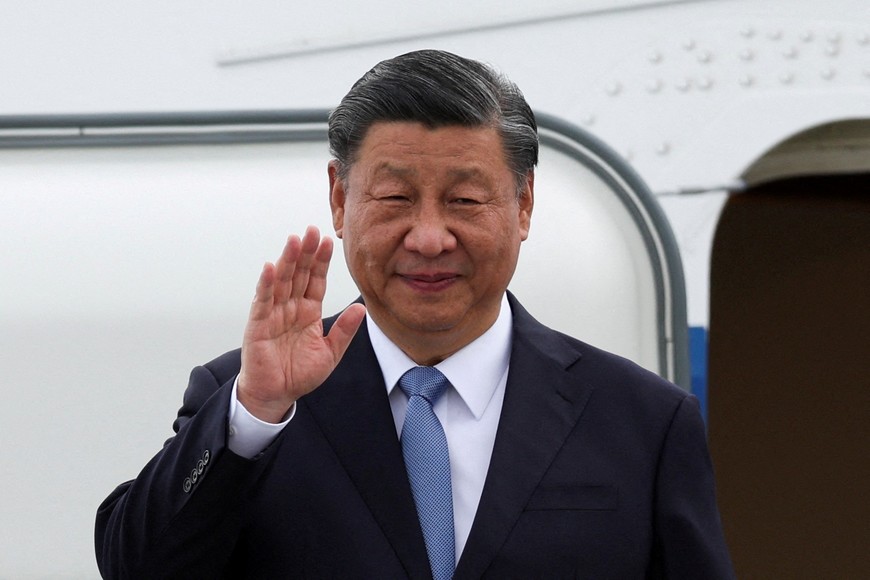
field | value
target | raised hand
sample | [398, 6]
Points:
[284, 352]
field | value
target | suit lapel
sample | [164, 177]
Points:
[539, 412]
[353, 411]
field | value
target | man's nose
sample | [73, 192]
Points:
[430, 233]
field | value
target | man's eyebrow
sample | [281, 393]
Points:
[390, 169]
[466, 173]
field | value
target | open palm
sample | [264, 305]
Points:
[284, 352]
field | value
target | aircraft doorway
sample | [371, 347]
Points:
[789, 378]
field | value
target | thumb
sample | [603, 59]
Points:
[344, 329]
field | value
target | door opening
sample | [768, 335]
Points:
[789, 376]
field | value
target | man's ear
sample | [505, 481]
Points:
[526, 203]
[337, 196]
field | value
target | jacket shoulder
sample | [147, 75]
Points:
[590, 365]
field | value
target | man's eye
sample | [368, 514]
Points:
[465, 201]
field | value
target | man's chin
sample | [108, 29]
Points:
[431, 325]
[429, 318]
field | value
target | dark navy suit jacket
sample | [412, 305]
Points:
[600, 470]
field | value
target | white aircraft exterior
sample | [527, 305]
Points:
[153, 155]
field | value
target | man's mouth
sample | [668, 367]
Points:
[427, 282]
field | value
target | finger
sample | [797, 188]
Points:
[264, 294]
[285, 267]
[319, 268]
[344, 329]
[310, 243]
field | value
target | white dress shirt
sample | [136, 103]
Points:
[469, 410]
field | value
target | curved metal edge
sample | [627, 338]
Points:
[653, 225]
[233, 127]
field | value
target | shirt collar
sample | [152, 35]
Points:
[474, 371]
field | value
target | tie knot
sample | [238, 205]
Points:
[427, 382]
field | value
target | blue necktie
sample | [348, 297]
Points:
[424, 447]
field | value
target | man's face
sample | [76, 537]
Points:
[431, 226]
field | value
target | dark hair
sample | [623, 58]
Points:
[437, 89]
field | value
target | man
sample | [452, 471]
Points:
[543, 458]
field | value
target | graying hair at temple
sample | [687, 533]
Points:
[437, 89]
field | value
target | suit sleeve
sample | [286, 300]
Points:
[689, 539]
[181, 516]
